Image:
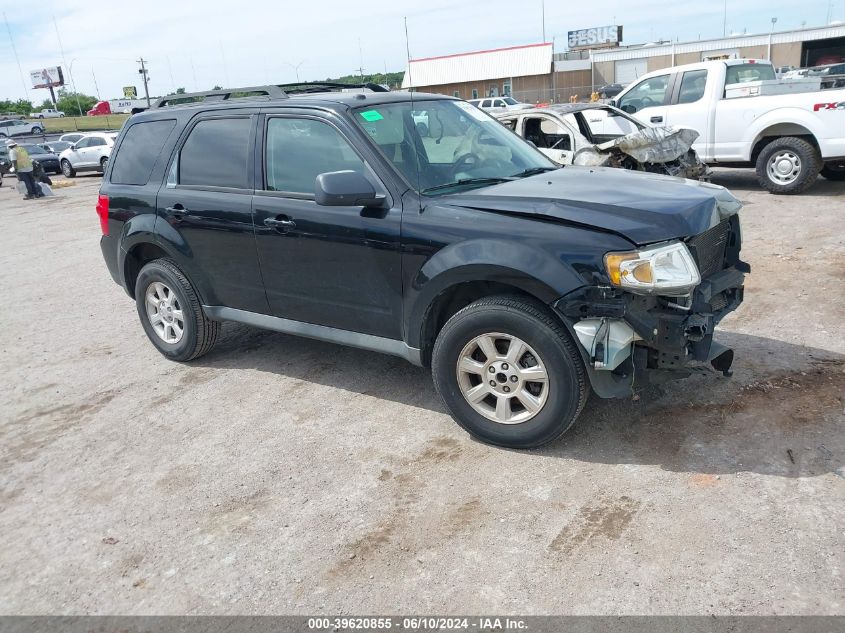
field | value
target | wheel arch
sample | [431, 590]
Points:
[139, 255]
[768, 132]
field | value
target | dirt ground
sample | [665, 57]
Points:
[280, 475]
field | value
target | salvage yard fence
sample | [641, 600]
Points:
[560, 94]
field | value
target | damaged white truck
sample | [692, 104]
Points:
[597, 135]
[746, 117]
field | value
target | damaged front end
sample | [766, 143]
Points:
[629, 339]
[659, 150]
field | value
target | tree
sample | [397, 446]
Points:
[47, 104]
[74, 103]
[217, 88]
[180, 91]
[21, 106]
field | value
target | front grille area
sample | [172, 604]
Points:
[708, 248]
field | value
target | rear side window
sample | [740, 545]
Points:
[137, 156]
[216, 154]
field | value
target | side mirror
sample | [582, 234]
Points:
[613, 103]
[346, 189]
[72, 147]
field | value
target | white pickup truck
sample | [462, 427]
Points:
[47, 113]
[788, 138]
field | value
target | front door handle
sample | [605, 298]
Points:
[177, 209]
[277, 224]
[657, 119]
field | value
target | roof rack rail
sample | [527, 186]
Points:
[320, 86]
[272, 92]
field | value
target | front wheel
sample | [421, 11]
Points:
[788, 165]
[104, 162]
[67, 169]
[171, 313]
[509, 372]
[834, 170]
[37, 130]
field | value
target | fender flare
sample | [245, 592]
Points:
[786, 117]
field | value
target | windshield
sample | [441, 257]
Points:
[510, 101]
[440, 145]
[34, 149]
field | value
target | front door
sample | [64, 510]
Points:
[205, 210]
[332, 266]
[648, 99]
[550, 136]
[79, 154]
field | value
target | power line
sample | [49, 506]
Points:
[15, 51]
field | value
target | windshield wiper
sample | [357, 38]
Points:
[534, 171]
[466, 181]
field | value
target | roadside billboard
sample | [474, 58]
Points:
[51, 77]
[130, 92]
[596, 37]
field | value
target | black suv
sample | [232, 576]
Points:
[417, 225]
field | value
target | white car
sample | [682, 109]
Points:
[90, 153]
[47, 113]
[499, 104]
[13, 127]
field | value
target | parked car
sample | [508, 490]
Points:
[49, 161]
[72, 137]
[15, 127]
[90, 153]
[601, 135]
[832, 75]
[520, 283]
[788, 138]
[610, 90]
[499, 104]
[57, 147]
[47, 113]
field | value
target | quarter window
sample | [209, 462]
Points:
[141, 146]
[299, 150]
[216, 154]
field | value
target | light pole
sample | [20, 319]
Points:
[770, 38]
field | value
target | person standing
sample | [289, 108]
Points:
[23, 168]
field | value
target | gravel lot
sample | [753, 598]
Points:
[280, 475]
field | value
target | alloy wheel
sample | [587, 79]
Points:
[502, 378]
[784, 167]
[164, 312]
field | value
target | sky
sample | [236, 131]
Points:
[196, 45]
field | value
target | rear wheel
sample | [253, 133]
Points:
[67, 168]
[509, 373]
[834, 170]
[788, 165]
[171, 313]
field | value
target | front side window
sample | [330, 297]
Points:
[547, 133]
[486, 103]
[649, 92]
[299, 150]
[461, 145]
[216, 154]
[96, 141]
[139, 151]
[83, 143]
[692, 86]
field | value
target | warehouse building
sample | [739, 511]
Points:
[524, 72]
[799, 49]
[534, 73]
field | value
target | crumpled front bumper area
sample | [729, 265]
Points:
[665, 339]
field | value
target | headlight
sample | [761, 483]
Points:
[668, 269]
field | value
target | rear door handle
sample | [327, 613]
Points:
[280, 224]
[657, 119]
[177, 209]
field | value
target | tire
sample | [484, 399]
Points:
[67, 168]
[198, 332]
[834, 170]
[550, 349]
[786, 152]
[37, 130]
[104, 162]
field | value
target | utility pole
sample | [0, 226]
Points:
[543, 18]
[143, 72]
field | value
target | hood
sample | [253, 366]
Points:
[642, 207]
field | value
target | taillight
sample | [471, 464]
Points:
[103, 212]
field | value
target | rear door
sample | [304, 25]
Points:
[334, 266]
[205, 208]
[689, 108]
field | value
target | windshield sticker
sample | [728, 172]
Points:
[471, 110]
[371, 115]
